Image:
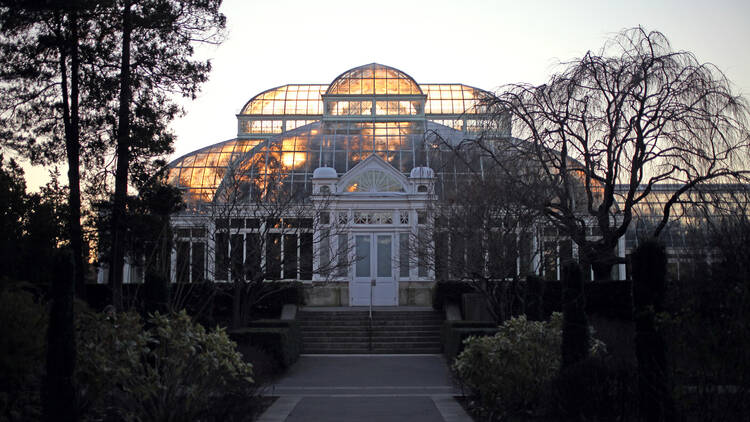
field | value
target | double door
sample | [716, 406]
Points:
[374, 277]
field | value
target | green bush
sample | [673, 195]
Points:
[453, 334]
[169, 368]
[510, 372]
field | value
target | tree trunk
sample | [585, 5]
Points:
[123, 163]
[601, 258]
[58, 394]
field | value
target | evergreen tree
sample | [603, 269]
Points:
[156, 60]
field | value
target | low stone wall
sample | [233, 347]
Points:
[333, 293]
[415, 293]
[336, 293]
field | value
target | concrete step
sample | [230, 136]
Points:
[349, 349]
[342, 332]
[366, 339]
[393, 328]
[428, 323]
[354, 316]
[433, 321]
[375, 333]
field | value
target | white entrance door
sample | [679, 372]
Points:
[373, 271]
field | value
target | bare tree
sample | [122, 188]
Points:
[613, 124]
[259, 228]
[480, 229]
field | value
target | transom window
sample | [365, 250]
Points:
[373, 217]
[375, 181]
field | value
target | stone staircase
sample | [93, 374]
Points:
[350, 331]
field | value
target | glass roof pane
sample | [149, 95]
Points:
[281, 100]
[373, 79]
[185, 176]
[380, 86]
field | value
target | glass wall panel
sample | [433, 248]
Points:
[182, 264]
[403, 259]
[198, 260]
[422, 255]
[342, 253]
[273, 256]
[221, 257]
[306, 256]
[253, 252]
[237, 257]
[290, 256]
[325, 252]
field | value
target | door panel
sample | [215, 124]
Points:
[373, 271]
[359, 287]
[385, 290]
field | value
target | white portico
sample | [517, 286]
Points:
[370, 227]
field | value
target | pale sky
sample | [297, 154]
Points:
[480, 43]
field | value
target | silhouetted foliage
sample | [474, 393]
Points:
[575, 329]
[632, 115]
[649, 289]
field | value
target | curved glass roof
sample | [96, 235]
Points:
[251, 167]
[374, 79]
[286, 132]
[287, 99]
[454, 99]
[308, 100]
[200, 172]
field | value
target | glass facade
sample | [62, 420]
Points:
[286, 132]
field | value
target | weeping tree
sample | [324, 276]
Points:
[614, 123]
[480, 231]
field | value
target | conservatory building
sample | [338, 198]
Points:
[333, 185]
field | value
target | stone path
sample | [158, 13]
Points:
[412, 388]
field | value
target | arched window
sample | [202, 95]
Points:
[374, 181]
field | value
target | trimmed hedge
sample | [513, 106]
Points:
[453, 334]
[210, 303]
[279, 338]
[611, 299]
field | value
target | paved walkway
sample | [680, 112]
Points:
[413, 388]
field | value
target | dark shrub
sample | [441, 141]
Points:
[282, 293]
[534, 298]
[23, 329]
[280, 339]
[649, 290]
[596, 389]
[575, 331]
[449, 292]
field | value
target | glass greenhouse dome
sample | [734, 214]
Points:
[285, 133]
